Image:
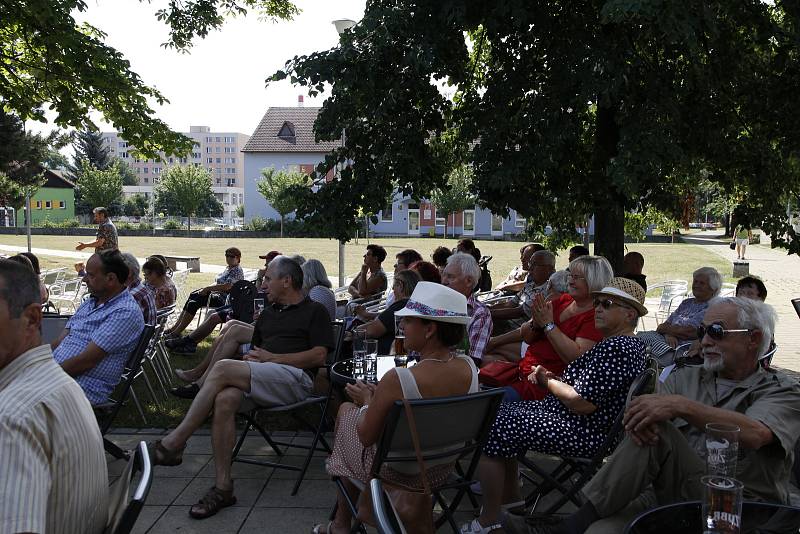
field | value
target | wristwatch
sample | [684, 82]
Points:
[549, 326]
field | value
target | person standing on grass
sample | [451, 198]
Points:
[106, 233]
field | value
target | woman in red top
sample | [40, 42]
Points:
[561, 330]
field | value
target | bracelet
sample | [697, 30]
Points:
[362, 409]
[549, 327]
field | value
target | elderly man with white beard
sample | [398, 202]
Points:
[665, 442]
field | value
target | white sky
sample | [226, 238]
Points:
[220, 83]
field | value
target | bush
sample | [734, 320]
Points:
[172, 224]
[68, 223]
[258, 224]
[122, 225]
[145, 226]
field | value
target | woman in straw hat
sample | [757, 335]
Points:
[578, 409]
[434, 322]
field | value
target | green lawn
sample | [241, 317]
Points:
[663, 260]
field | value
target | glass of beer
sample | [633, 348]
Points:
[399, 347]
[722, 449]
[722, 505]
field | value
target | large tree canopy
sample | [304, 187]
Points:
[48, 60]
[563, 109]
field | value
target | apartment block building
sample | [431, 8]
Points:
[219, 152]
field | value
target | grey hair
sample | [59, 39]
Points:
[558, 282]
[596, 269]
[314, 274]
[467, 265]
[20, 287]
[548, 256]
[133, 264]
[714, 278]
[297, 258]
[286, 266]
[753, 315]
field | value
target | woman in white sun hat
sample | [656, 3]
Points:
[434, 322]
[578, 410]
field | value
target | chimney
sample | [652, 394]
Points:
[299, 101]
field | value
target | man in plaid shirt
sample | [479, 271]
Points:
[463, 274]
[97, 340]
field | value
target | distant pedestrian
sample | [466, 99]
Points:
[106, 233]
[742, 235]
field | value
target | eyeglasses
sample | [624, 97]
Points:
[607, 303]
[576, 276]
[717, 331]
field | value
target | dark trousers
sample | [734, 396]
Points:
[197, 301]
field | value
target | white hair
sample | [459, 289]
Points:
[753, 315]
[467, 265]
[314, 274]
[558, 282]
[596, 269]
[714, 278]
[132, 263]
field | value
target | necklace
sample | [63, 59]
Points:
[437, 359]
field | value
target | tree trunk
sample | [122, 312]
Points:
[609, 215]
[609, 235]
[281, 225]
[189, 222]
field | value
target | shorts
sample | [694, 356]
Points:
[742, 241]
[276, 384]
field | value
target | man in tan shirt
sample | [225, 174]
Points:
[53, 474]
[665, 442]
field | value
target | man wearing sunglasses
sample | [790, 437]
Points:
[665, 442]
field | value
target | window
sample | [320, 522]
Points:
[231, 182]
[138, 170]
[287, 132]
[386, 213]
[123, 155]
[218, 150]
[209, 139]
[520, 222]
[196, 155]
[171, 160]
[219, 139]
[219, 181]
[38, 205]
[209, 150]
[230, 139]
[497, 224]
[469, 222]
[230, 160]
[210, 169]
[184, 160]
[48, 205]
[144, 171]
[440, 221]
[230, 170]
[209, 160]
[230, 150]
[146, 180]
[196, 144]
[123, 144]
[219, 160]
[156, 170]
[62, 205]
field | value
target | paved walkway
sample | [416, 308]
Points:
[781, 274]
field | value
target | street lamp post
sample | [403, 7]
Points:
[342, 25]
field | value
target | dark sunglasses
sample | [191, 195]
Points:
[607, 303]
[717, 331]
[231, 256]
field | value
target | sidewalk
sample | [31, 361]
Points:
[781, 274]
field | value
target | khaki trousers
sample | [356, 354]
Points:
[671, 466]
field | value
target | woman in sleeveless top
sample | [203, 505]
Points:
[434, 322]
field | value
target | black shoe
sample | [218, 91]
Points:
[184, 345]
[185, 392]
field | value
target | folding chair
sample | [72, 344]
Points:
[449, 429]
[123, 512]
[322, 401]
[383, 510]
[572, 473]
[107, 411]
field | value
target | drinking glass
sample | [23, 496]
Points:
[258, 307]
[399, 346]
[359, 353]
[722, 449]
[722, 505]
[371, 360]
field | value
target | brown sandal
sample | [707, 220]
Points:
[212, 502]
[160, 455]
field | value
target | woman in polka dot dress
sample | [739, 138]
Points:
[579, 408]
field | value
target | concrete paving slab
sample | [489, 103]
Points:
[191, 466]
[177, 519]
[312, 494]
[167, 490]
[147, 518]
[300, 521]
[239, 470]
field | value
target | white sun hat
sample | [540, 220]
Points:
[437, 303]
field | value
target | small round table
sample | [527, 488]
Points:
[684, 517]
[344, 372]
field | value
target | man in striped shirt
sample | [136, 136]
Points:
[53, 474]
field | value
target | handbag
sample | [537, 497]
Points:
[732, 245]
[498, 374]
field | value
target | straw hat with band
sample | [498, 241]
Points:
[626, 291]
[437, 303]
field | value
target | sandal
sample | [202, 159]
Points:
[212, 502]
[186, 376]
[474, 527]
[160, 455]
[318, 528]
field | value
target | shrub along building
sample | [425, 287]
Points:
[284, 139]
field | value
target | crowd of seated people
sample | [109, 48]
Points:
[569, 336]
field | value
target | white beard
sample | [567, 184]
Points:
[714, 366]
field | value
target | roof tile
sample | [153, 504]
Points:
[265, 137]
